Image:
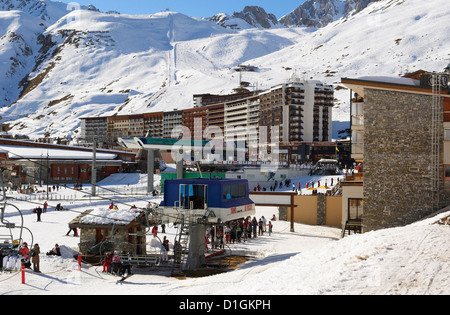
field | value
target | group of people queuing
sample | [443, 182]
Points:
[276, 185]
[217, 235]
[14, 260]
[237, 231]
[296, 187]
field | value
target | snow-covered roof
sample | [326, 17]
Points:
[393, 80]
[21, 152]
[102, 216]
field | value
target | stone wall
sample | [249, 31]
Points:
[397, 158]
[120, 242]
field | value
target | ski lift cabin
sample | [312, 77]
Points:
[217, 200]
[326, 167]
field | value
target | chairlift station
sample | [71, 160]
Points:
[195, 204]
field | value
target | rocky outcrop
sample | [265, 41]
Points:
[257, 17]
[319, 13]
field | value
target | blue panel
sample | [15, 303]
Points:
[222, 193]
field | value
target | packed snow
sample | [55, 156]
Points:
[311, 260]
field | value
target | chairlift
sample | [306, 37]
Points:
[10, 241]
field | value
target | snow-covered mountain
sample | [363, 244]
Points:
[251, 16]
[257, 16]
[88, 63]
[46, 10]
[319, 13]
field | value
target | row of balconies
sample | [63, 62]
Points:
[160, 127]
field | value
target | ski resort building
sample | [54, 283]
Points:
[300, 109]
[401, 137]
[28, 162]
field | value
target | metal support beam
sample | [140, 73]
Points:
[93, 169]
[150, 169]
[180, 170]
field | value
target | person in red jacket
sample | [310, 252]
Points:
[24, 251]
[155, 231]
[107, 263]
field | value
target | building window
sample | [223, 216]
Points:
[234, 191]
[355, 209]
[447, 177]
[447, 134]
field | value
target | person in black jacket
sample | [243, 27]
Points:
[38, 212]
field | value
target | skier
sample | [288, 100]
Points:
[155, 231]
[260, 227]
[75, 232]
[115, 263]
[24, 251]
[165, 249]
[254, 226]
[107, 263]
[55, 251]
[38, 213]
[227, 234]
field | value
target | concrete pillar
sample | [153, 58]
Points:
[196, 257]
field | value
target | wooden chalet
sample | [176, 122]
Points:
[108, 230]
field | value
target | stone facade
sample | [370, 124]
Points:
[397, 158]
[121, 241]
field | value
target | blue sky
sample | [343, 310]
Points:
[196, 8]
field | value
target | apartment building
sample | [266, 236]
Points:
[195, 120]
[171, 120]
[302, 108]
[138, 125]
[401, 138]
[92, 127]
[241, 119]
[215, 120]
[299, 109]
[201, 100]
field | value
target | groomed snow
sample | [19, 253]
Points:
[312, 260]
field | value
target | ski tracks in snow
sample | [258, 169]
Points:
[423, 281]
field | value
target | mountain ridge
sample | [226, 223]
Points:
[90, 64]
